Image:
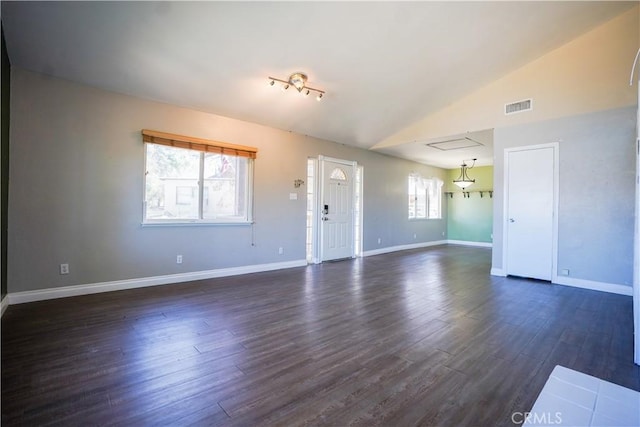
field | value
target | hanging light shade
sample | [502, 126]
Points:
[463, 180]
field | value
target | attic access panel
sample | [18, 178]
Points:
[455, 144]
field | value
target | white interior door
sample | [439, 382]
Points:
[531, 186]
[336, 209]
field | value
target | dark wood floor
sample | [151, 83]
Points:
[423, 337]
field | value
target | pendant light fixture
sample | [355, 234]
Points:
[463, 180]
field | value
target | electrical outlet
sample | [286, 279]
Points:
[564, 272]
[64, 268]
[415, 236]
[179, 259]
[379, 240]
[280, 251]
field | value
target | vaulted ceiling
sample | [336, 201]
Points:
[383, 65]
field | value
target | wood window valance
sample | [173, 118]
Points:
[199, 144]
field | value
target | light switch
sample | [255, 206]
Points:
[293, 196]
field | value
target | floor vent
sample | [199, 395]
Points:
[518, 107]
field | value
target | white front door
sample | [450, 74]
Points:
[530, 191]
[336, 209]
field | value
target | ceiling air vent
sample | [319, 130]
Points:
[518, 107]
[455, 144]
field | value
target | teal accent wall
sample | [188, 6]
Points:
[470, 219]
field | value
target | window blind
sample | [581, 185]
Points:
[199, 144]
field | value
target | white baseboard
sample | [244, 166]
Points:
[498, 272]
[390, 249]
[76, 290]
[580, 283]
[94, 288]
[467, 243]
[4, 304]
[595, 286]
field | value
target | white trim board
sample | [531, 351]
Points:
[94, 288]
[390, 249]
[498, 272]
[468, 243]
[612, 288]
[595, 286]
[4, 304]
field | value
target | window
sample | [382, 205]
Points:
[311, 203]
[338, 174]
[358, 188]
[425, 197]
[185, 195]
[185, 183]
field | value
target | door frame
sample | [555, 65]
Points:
[318, 234]
[636, 243]
[505, 205]
[636, 250]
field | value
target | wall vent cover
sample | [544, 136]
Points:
[518, 107]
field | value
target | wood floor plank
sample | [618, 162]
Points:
[419, 337]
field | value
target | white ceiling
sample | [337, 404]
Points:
[384, 65]
[448, 152]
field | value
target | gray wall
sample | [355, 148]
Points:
[596, 191]
[76, 184]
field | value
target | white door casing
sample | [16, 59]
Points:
[530, 228]
[636, 251]
[336, 208]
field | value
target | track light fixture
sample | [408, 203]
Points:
[463, 180]
[299, 82]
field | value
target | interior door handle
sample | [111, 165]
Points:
[512, 220]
